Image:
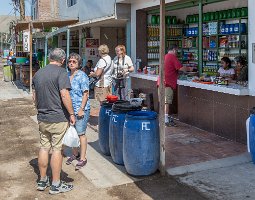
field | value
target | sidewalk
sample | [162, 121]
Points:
[216, 167]
[11, 90]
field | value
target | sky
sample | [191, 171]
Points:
[7, 9]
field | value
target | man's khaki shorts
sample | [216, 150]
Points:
[51, 134]
[169, 95]
[102, 92]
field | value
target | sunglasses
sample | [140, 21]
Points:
[72, 61]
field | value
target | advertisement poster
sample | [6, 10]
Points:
[92, 43]
[90, 52]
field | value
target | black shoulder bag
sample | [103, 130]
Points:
[94, 80]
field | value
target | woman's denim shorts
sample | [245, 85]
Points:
[81, 123]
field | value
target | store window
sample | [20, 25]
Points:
[71, 2]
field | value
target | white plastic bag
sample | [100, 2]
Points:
[71, 138]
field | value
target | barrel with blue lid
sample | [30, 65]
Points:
[103, 127]
[141, 148]
[117, 119]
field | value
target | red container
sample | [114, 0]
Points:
[111, 98]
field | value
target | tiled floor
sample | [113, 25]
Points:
[188, 145]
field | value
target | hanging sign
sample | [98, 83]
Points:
[26, 40]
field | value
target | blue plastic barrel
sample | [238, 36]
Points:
[252, 134]
[103, 127]
[117, 119]
[141, 143]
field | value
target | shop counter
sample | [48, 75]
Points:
[219, 109]
[232, 88]
[147, 84]
[149, 77]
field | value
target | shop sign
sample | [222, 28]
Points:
[26, 40]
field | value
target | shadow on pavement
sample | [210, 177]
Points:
[95, 146]
[156, 187]
[34, 164]
[20, 86]
[93, 120]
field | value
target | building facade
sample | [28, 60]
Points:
[45, 10]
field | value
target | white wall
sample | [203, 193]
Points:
[251, 33]
[87, 10]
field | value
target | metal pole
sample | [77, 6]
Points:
[200, 38]
[45, 51]
[162, 89]
[31, 56]
[67, 45]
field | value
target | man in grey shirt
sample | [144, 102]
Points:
[52, 98]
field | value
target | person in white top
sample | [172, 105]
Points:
[102, 72]
[122, 66]
[226, 71]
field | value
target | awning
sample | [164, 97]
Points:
[111, 21]
[23, 25]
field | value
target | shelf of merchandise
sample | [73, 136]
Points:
[174, 35]
[240, 49]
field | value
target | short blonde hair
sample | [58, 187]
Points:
[103, 49]
[122, 48]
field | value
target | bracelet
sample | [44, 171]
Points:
[71, 114]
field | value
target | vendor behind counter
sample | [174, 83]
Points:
[242, 70]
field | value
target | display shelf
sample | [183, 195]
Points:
[224, 35]
[236, 42]
[193, 48]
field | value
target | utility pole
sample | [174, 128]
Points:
[162, 166]
[1, 42]
[22, 10]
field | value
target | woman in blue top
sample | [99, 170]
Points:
[80, 99]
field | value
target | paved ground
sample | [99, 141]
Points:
[234, 182]
[227, 178]
[19, 169]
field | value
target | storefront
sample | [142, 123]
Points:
[25, 44]
[205, 31]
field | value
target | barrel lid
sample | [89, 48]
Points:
[107, 104]
[252, 111]
[124, 106]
